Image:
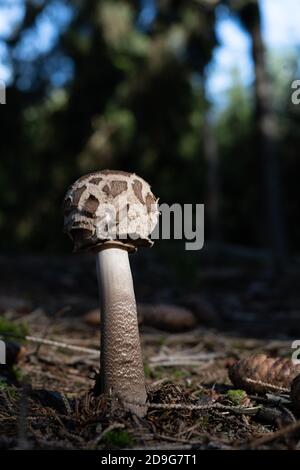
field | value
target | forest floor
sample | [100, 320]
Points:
[45, 398]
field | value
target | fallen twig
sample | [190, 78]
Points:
[54, 343]
[275, 435]
[165, 360]
[99, 438]
[182, 406]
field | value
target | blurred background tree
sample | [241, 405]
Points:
[120, 90]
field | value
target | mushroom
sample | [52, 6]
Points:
[112, 213]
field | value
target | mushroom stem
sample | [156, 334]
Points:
[122, 372]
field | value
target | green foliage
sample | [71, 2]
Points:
[10, 389]
[237, 397]
[179, 373]
[132, 103]
[13, 329]
[118, 438]
[18, 374]
[148, 371]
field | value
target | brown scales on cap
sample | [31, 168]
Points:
[95, 180]
[150, 201]
[137, 189]
[259, 374]
[77, 195]
[91, 205]
[117, 187]
[130, 197]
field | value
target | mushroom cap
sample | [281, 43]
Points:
[108, 209]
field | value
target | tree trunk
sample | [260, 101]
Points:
[211, 155]
[267, 134]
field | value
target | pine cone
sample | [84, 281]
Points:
[259, 374]
[295, 393]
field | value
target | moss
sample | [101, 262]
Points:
[15, 329]
[159, 373]
[118, 438]
[153, 373]
[148, 371]
[179, 373]
[18, 374]
[12, 391]
[3, 384]
[161, 340]
[237, 397]
[204, 422]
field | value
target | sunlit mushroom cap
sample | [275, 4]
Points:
[110, 208]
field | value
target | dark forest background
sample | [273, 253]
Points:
[114, 92]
